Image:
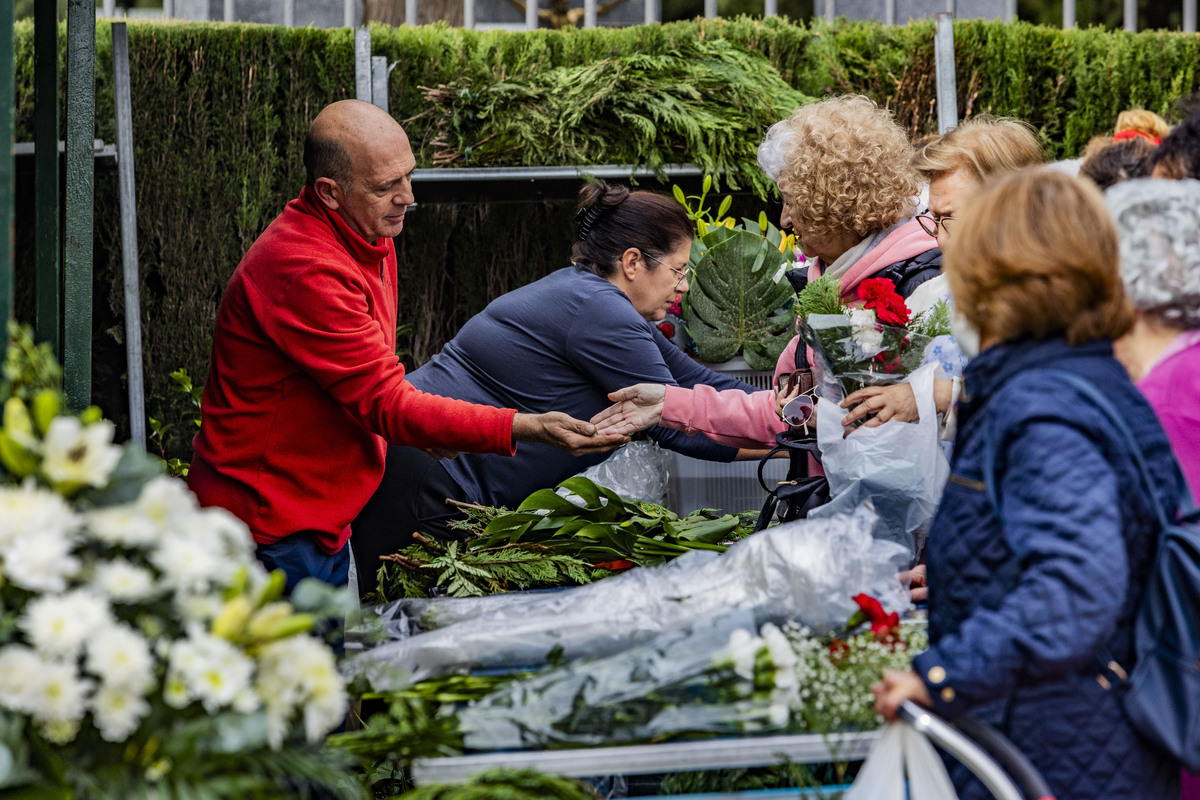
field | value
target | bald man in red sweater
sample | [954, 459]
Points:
[304, 389]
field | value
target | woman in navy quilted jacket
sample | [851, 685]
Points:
[1032, 599]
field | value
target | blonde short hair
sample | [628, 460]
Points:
[1143, 121]
[842, 165]
[1035, 254]
[983, 146]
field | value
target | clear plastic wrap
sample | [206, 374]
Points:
[898, 466]
[639, 469]
[715, 676]
[806, 570]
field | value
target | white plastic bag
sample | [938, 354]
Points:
[902, 753]
[899, 466]
[639, 469]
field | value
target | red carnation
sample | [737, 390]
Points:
[875, 288]
[885, 627]
[879, 295]
[667, 329]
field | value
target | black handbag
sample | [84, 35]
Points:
[800, 493]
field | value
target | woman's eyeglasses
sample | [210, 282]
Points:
[930, 223]
[682, 273]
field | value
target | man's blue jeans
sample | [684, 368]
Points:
[300, 557]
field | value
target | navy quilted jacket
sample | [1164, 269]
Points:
[1029, 601]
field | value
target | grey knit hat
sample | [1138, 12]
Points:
[1158, 222]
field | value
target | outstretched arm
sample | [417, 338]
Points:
[564, 432]
[635, 408]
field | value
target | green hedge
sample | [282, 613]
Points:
[220, 112]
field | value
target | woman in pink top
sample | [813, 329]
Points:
[1158, 222]
[843, 167]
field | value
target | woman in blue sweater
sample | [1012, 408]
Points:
[561, 343]
[1032, 600]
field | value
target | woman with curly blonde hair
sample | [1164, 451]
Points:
[849, 192]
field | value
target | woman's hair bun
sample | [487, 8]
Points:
[594, 200]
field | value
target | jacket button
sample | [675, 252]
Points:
[948, 695]
[936, 674]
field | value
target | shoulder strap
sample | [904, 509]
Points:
[1118, 424]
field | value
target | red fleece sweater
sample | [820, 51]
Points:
[305, 390]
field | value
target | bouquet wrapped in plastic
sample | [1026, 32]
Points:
[718, 676]
[900, 467]
[806, 570]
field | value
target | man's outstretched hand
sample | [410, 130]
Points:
[564, 432]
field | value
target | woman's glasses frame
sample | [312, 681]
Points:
[929, 223]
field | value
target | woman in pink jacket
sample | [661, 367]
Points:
[1158, 222]
[843, 168]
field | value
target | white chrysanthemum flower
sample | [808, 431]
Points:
[41, 564]
[60, 694]
[233, 533]
[31, 511]
[120, 657]
[192, 557]
[59, 731]
[22, 669]
[300, 672]
[743, 647]
[193, 607]
[778, 646]
[164, 500]
[77, 455]
[123, 581]
[124, 525]
[117, 712]
[211, 670]
[58, 625]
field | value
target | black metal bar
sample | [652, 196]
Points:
[77, 262]
[47, 241]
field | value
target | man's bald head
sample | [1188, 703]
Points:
[340, 132]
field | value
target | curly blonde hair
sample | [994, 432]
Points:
[842, 166]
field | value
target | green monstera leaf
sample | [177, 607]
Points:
[739, 300]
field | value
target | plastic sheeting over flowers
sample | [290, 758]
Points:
[806, 571]
[714, 677]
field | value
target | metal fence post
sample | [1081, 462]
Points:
[1131, 15]
[531, 15]
[770, 8]
[168, 9]
[410, 12]
[589, 13]
[7, 113]
[289, 13]
[947, 90]
[227, 12]
[348, 14]
[1189, 16]
[1010, 10]
[362, 63]
[1068, 13]
[830, 10]
[77, 264]
[129, 256]
[47, 242]
[889, 12]
[379, 81]
[653, 12]
[468, 13]
[710, 9]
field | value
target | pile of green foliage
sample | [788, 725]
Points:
[555, 538]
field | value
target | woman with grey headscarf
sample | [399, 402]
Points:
[1158, 222]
